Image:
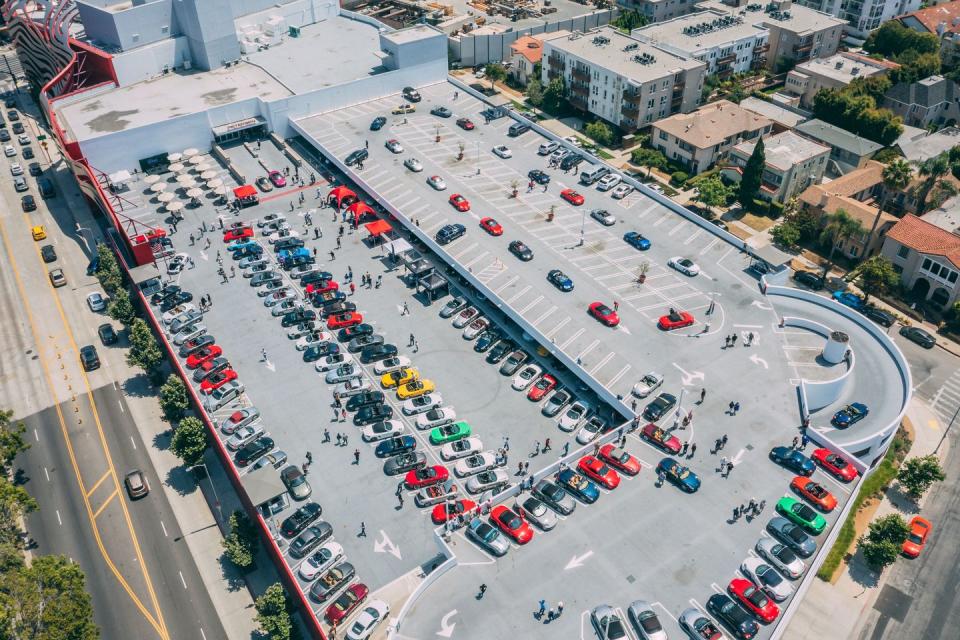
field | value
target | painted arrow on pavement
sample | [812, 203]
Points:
[688, 376]
[384, 545]
[755, 359]
[446, 627]
[577, 561]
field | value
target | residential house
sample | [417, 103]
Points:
[928, 145]
[927, 257]
[527, 51]
[862, 16]
[942, 20]
[621, 79]
[835, 72]
[858, 193]
[783, 117]
[793, 163]
[848, 151]
[931, 101]
[698, 139]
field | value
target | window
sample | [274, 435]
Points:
[650, 103]
[664, 135]
[903, 252]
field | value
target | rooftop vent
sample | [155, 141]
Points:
[644, 58]
[601, 40]
[632, 46]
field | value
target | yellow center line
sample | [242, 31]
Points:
[157, 623]
[98, 483]
[105, 503]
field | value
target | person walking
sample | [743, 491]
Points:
[326, 435]
[356, 456]
[616, 306]
[546, 445]
[379, 281]
[536, 448]
[353, 288]
[683, 448]
[730, 408]
[406, 310]
[723, 441]
[804, 439]
[729, 469]
[559, 608]
[736, 408]
[343, 418]
[542, 609]
[339, 438]
[723, 463]
[363, 530]
[483, 590]
[703, 394]
[506, 443]
[566, 449]
[795, 443]
[717, 445]
[309, 458]
[693, 449]
[520, 468]
[263, 355]
[526, 468]
[733, 340]
[411, 340]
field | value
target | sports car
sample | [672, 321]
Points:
[835, 465]
[415, 388]
[572, 197]
[477, 463]
[636, 240]
[619, 459]
[238, 234]
[425, 477]
[346, 603]
[465, 124]
[521, 250]
[447, 510]
[511, 524]
[767, 578]
[802, 514]
[217, 380]
[578, 485]
[449, 433]
[814, 493]
[343, 320]
[239, 419]
[917, 538]
[850, 415]
[381, 430]
[437, 183]
[604, 314]
[793, 460]
[541, 387]
[491, 226]
[649, 383]
[598, 471]
[394, 146]
[793, 536]
[679, 475]
[459, 202]
[277, 179]
[675, 320]
[560, 280]
[399, 377]
[685, 266]
[395, 446]
[197, 358]
[753, 599]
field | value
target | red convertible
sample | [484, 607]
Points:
[542, 387]
[813, 492]
[277, 179]
[511, 524]
[197, 358]
[598, 471]
[448, 510]
[347, 603]
[675, 320]
[426, 477]
[604, 314]
[461, 203]
[240, 233]
[322, 287]
[753, 599]
[620, 459]
[660, 438]
[344, 320]
[491, 226]
[571, 196]
[835, 465]
[217, 380]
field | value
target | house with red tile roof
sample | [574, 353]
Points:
[927, 257]
[526, 52]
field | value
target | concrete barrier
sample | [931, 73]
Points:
[428, 581]
[222, 156]
[818, 394]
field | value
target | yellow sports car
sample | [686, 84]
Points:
[399, 377]
[415, 388]
[404, 109]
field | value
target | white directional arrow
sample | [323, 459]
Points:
[736, 459]
[624, 329]
[760, 305]
[446, 627]
[755, 359]
[689, 376]
[384, 545]
[204, 256]
[577, 561]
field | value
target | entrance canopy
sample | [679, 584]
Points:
[378, 227]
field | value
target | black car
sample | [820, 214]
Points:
[355, 331]
[377, 353]
[364, 399]
[356, 157]
[540, 177]
[27, 152]
[48, 253]
[738, 621]
[570, 161]
[410, 94]
[660, 406]
[313, 537]
[486, 340]
[322, 350]
[378, 123]
[4, 134]
[328, 299]
[192, 346]
[9, 103]
[521, 250]
[918, 335]
[449, 233]
[879, 316]
[300, 519]
[299, 261]
[297, 316]
[395, 446]
[372, 413]
[36, 169]
[12, 115]
[500, 351]
[28, 203]
[175, 300]
[809, 279]
[18, 128]
[164, 293]
[253, 450]
[441, 112]
[316, 276]
[336, 308]
[560, 280]
[89, 358]
[287, 244]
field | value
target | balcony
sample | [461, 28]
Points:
[763, 48]
[802, 49]
[630, 110]
[579, 73]
[579, 88]
[727, 59]
[632, 98]
[578, 101]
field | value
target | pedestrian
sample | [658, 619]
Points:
[303, 468]
[693, 449]
[733, 340]
[803, 441]
[526, 467]
[752, 504]
[616, 306]
[520, 468]
[760, 506]
[353, 288]
[411, 341]
[736, 408]
[363, 530]
[717, 445]
[366, 144]
[483, 590]
[536, 448]
[566, 449]
[339, 439]
[333, 256]
[796, 442]
[379, 281]
[400, 499]
[596, 449]
[356, 456]
[703, 394]
[343, 417]
[207, 246]
[309, 457]
[559, 608]
[326, 435]
[233, 271]
[192, 240]
[337, 402]
[730, 408]
[749, 339]
[726, 342]
[542, 610]
[729, 469]
[723, 463]
[723, 441]
[416, 346]
[683, 449]
[546, 445]
[633, 405]
[406, 310]
[263, 355]
[506, 443]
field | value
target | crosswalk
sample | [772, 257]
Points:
[946, 401]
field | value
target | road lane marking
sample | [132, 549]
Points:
[182, 581]
[105, 503]
[46, 473]
[162, 526]
[97, 484]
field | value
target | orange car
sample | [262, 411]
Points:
[919, 530]
[814, 493]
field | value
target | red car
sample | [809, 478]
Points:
[238, 234]
[322, 287]
[511, 524]
[660, 438]
[542, 387]
[620, 460]
[753, 599]
[277, 179]
[461, 203]
[604, 314]
[344, 320]
[491, 226]
[426, 477]
[598, 471]
[813, 492]
[197, 358]
[675, 320]
[465, 124]
[571, 196]
[348, 601]
[919, 530]
[834, 464]
[217, 380]
[447, 510]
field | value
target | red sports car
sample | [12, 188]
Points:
[347, 603]
[277, 179]
[813, 492]
[598, 471]
[447, 510]
[217, 380]
[675, 320]
[461, 203]
[197, 358]
[917, 539]
[542, 387]
[753, 599]
[620, 460]
[511, 524]
[465, 124]
[238, 234]
[660, 438]
[835, 465]
[322, 287]
[571, 196]
[604, 314]
[491, 226]
[344, 320]
[426, 477]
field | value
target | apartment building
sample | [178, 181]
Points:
[793, 163]
[848, 151]
[863, 16]
[659, 10]
[699, 139]
[623, 80]
[835, 72]
[931, 101]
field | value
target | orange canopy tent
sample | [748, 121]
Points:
[359, 209]
[378, 227]
[246, 191]
[341, 194]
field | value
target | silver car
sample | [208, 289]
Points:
[697, 625]
[477, 463]
[556, 402]
[461, 448]
[488, 537]
[793, 536]
[185, 319]
[239, 419]
[573, 416]
[767, 578]
[413, 164]
[555, 497]
[493, 480]
[189, 333]
[343, 373]
[453, 306]
[607, 623]
[513, 362]
[352, 387]
[244, 435]
[382, 430]
[532, 509]
[781, 557]
[647, 384]
[645, 622]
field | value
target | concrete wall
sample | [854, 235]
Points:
[418, 52]
[816, 395]
[148, 62]
[213, 40]
[130, 28]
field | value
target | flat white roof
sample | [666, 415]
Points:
[700, 31]
[840, 67]
[785, 150]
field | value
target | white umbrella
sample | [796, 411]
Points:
[215, 183]
[194, 193]
[157, 187]
[174, 206]
[208, 175]
[166, 196]
[203, 166]
[185, 179]
[174, 157]
[176, 167]
[152, 178]
[195, 160]
[220, 191]
[191, 152]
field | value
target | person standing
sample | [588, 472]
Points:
[363, 530]
[356, 456]
[483, 590]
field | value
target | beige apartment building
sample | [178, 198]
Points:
[835, 72]
[793, 163]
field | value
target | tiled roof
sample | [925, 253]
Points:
[931, 17]
[712, 123]
[923, 237]
[528, 47]
[837, 194]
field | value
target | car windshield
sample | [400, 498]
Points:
[806, 512]
[768, 575]
[511, 520]
[649, 381]
[784, 554]
[796, 535]
[649, 622]
[915, 538]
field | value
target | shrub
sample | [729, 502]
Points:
[679, 178]
[759, 207]
[776, 210]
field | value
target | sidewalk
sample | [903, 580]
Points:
[839, 610]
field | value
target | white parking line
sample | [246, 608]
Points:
[604, 361]
[543, 316]
[588, 349]
[576, 335]
[530, 306]
[519, 294]
[556, 328]
[612, 381]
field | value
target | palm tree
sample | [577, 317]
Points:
[840, 226]
[932, 171]
[896, 177]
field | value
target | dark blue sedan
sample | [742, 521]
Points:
[636, 240]
[396, 446]
[850, 414]
[560, 280]
[793, 460]
[679, 475]
[378, 123]
[317, 351]
[578, 485]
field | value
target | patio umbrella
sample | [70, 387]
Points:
[208, 175]
[152, 178]
[215, 183]
[174, 206]
[157, 187]
[185, 179]
[176, 167]
[174, 157]
[190, 152]
[195, 160]
[220, 191]
[203, 166]
[194, 193]
[166, 196]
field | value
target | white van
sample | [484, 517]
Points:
[593, 173]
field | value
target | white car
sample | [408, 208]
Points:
[188, 317]
[503, 151]
[436, 418]
[608, 182]
[461, 448]
[394, 146]
[9, 151]
[304, 329]
[174, 313]
[298, 272]
[373, 613]
[604, 217]
[285, 307]
[558, 153]
[767, 578]
[280, 295]
[781, 557]
[437, 183]
[685, 266]
[416, 406]
[465, 317]
[16, 169]
[533, 510]
[495, 479]
[590, 431]
[574, 140]
[621, 191]
[178, 264]
[480, 75]
[243, 435]
[327, 363]
[320, 560]
[189, 333]
[647, 384]
[96, 301]
[352, 387]
[526, 376]
[275, 226]
[547, 148]
[248, 263]
[343, 373]
[239, 419]
[312, 339]
[573, 416]
[655, 187]
[475, 328]
[413, 164]
[381, 430]
[282, 234]
[270, 217]
[476, 463]
[391, 364]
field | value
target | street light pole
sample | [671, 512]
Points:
[478, 157]
[947, 430]
[213, 487]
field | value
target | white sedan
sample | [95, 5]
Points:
[589, 432]
[280, 295]
[475, 328]
[394, 146]
[647, 384]
[178, 264]
[573, 416]
[282, 234]
[477, 463]
[96, 301]
[171, 315]
[436, 418]
[621, 191]
[503, 151]
[413, 164]
[320, 560]
[461, 448]
[343, 373]
[374, 612]
[437, 183]
[312, 339]
[391, 364]
[352, 387]
[424, 403]
[608, 182]
[526, 376]
[244, 435]
[685, 266]
[16, 169]
[270, 217]
[382, 430]
[327, 363]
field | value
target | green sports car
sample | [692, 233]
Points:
[449, 433]
[802, 514]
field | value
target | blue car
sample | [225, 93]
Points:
[636, 240]
[243, 245]
[578, 485]
[792, 460]
[395, 446]
[850, 414]
[848, 299]
[679, 475]
[560, 280]
[286, 255]
[252, 251]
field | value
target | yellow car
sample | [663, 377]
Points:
[399, 377]
[415, 389]
[39, 233]
[404, 109]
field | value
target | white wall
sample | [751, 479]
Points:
[297, 13]
[148, 62]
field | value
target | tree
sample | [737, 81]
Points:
[840, 226]
[496, 72]
[629, 20]
[243, 542]
[554, 95]
[853, 109]
[712, 193]
[932, 171]
[786, 234]
[915, 66]
[189, 441]
[896, 176]
[15, 503]
[878, 554]
[144, 350]
[882, 543]
[273, 613]
[535, 91]
[174, 399]
[12, 442]
[752, 175]
[892, 39]
[108, 270]
[600, 132]
[876, 276]
[917, 475]
[649, 158]
[121, 307]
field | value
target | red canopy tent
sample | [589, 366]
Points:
[246, 195]
[341, 194]
[359, 209]
[378, 227]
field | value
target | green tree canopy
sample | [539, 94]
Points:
[857, 113]
[876, 276]
[752, 176]
[121, 308]
[892, 38]
[189, 441]
[649, 158]
[882, 543]
[600, 132]
[554, 95]
[786, 234]
[712, 192]
[144, 350]
[12, 442]
[273, 613]
[47, 601]
[496, 72]
[534, 91]
[630, 19]
[840, 226]
[108, 270]
[243, 541]
[174, 399]
[917, 475]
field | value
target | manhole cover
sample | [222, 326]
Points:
[631, 579]
[749, 447]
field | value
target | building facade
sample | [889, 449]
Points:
[835, 72]
[863, 16]
[848, 151]
[931, 101]
[927, 258]
[793, 163]
[659, 10]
